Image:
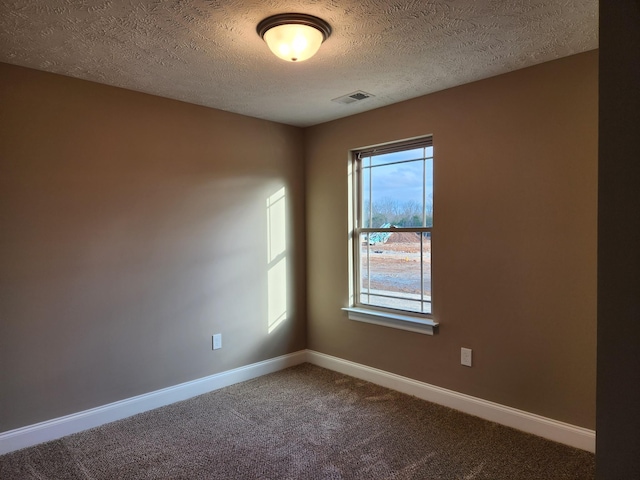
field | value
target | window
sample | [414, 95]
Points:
[393, 210]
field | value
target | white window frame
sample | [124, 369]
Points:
[364, 312]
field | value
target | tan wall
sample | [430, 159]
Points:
[132, 229]
[514, 242]
[135, 227]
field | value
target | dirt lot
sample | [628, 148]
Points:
[395, 265]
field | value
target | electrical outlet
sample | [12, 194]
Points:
[217, 341]
[465, 356]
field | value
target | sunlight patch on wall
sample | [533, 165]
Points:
[276, 260]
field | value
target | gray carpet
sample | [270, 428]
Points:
[301, 423]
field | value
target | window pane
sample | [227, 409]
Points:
[398, 304]
[426, 271]
[390, 273]
[428, 152]
[397, 195]
[364, 285]
[366, 198]
[428, 192]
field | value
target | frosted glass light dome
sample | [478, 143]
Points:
[294, 43]
[294, 37]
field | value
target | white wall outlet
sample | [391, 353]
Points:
[465, 356]
[217, 341]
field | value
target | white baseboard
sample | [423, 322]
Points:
[77, 422]
[578, 437]
[561, 432]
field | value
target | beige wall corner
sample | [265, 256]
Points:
[133, 229]
[514, 241]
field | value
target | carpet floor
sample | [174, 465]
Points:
[304, 422]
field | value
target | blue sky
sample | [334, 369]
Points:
[399, 181]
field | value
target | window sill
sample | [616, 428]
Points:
[393, 320]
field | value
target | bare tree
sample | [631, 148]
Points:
[392, 211]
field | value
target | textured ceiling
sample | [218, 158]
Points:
[208, 52]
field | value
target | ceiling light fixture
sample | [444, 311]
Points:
[294, 37]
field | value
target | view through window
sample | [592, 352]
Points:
[394, 220]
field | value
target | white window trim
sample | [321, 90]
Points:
[403, 320]
[385, 318]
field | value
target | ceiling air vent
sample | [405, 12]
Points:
[353, 97]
